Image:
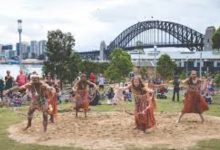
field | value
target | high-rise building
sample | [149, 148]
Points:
[34, 49]
[1, 48]
[6, 51]
[1, 54]
[29, 50]
[7, 47]
[42, 47]
[24, 49]
[9, 54]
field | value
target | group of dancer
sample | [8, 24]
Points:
[44, 99]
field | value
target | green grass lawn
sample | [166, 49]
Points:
[9, 117]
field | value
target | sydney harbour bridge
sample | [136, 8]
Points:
[148, 34]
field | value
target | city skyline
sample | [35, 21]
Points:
[90, 22]
[31, 49]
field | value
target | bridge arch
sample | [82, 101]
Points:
[188, 37]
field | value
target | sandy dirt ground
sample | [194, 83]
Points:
[115, 130]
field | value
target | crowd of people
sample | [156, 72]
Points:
[45, 95]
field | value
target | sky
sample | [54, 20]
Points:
[92, 21]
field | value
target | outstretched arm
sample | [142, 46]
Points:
[171, 81]
[185, 81]
[16, 88]
[159, 85]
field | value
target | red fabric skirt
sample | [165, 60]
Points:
[146, 120]
[194, 103]
[82, 100]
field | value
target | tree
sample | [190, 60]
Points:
[143, 72]
[120, 65]
[95, 67]
[217, 79]
[62, 60]
[73, 67]
[165, 66]
[113, 74]
[216, 39]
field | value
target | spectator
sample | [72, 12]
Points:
[21, 79]
[208, 98]
[110, 95]
[131, 75]
[127, 94]
[176, 88]
[92, 77]
[210, 86]
[8, 80]
[1, 88]
[101, 82]
[207, 89]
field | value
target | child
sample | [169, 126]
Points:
[110, 95]
[208, 98]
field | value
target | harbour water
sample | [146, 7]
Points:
[14, 69]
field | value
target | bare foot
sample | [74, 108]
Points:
[135, 128]
[178, 121]
[25, 129]
[202, 121]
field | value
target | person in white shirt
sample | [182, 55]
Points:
[101, 82]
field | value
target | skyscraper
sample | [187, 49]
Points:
[34, 49]
[7, 50]
[42, 46]
[24, 47]
[1, 48]
[1, 54]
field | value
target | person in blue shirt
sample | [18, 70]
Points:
[2, 86]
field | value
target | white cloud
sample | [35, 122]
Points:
[91, 21]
